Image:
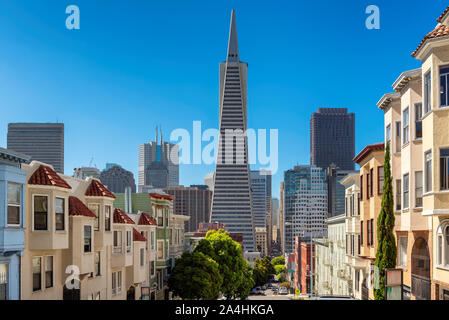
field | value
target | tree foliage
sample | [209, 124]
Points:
[219, 246]
[386, 243]
[280, 268]
[195, 276]
[263, 269]
[278, 261]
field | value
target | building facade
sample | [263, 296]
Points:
[305, 204]
[12, 221]
[41, 141]
[232, 203]
[336, 190]
[118, 179]
[194, 202]
[332, 138]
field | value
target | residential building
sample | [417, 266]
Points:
[158, 164]
[353, 234]
[305, 204]
[336, 190]
[332, 138]
[332, 273]
[118, 179]
[159, 206]
[177, 230]
[41, 141]
[430, 257]
[192, 201]
[231, 203]
[371, 162]
[12, 221]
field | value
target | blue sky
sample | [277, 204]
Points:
[136, 64]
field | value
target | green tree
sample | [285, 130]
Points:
[195, 276]
[228, 254]
[386, 243]
[263, 269]
[278, 261]
[280, 268]
[248, 282]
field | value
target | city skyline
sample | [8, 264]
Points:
[77, 70]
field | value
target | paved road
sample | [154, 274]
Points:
[269, 296]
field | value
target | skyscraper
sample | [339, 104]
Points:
[336, 190]
[305, 204]
[332, 138]
[193, 201]
[158, 164]
[117, 179]
[231, 202]
[42, 141]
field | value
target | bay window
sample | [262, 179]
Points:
[107, 218]
[398, 194]
[398, 137]
[380, 180]
[428, 171]
[128, 242]
[49, 272]
[14, 197]
[59, 214]
[37, 273]
[87, 239]
[405, 195]
[444, 86]
[117, 242]
[418, 120]
[444, 172]
[418, 189]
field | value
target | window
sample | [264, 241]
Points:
[352, 245]
[402, 251]
[361, 232]
[14, 196]
[359, 240]
[398, 194]
[40, 212]
[380, 180]
[107, 218]
[95, 208]
[97, 296]
[405, 197]
[361, 187]
[119, 282]
[368, 238]
[128, 242]
[427, 92]
[117, 241]
[59, 214]
[358, 205]
[142, 257]
[160, 249]
[428, 171]
[398, 136]
[444, 172]
[152, 268]
[87, 239]
[166, 217]
[444, 96]
[388, 134]
[405, 126]
[368, 188]
[97, 263]
[371, 182]
[160, 218]
[418, 120]
[443, 245]
[37, 273]
[49, 272]
[418, 189]
[116, 282]
[372, 232]
[152, 240]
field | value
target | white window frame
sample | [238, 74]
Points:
[119, 247]
[64, 214]
[406, 126]
[405, 192]
[48, 212]
[97, 214]
[32, 274]
[418, 106]
[427, 92]
[52, 272]
[402, 256]
[129, 242]
[14, 204]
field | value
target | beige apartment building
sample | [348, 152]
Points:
[355, 263]
[77, 247]
[371, 162]
[261, 240]
[433, 52]
[404, 132]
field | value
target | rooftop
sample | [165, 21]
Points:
[45, 175]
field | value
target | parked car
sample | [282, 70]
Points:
[264, 288]
[283, 290]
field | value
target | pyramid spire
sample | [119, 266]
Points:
[233, 48]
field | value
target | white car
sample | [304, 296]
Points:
[283, 290]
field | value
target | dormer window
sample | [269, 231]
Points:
[40, 212]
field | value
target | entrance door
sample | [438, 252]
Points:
[421, 284]
[131, 293]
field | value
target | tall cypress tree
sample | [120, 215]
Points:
[386, 243]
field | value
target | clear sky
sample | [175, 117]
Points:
[135, 64]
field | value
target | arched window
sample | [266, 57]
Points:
[443, 245]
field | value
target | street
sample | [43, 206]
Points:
[269, 296]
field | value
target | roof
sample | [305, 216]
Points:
[78, 208]
[440, 18]
[405, 77]
[137, 236]
[46, 176]
[97, 189]
[367, 150]
[146, 220]
[440, 31]
[386, 99]
[161, 196]
[121, 217]
[12, 155]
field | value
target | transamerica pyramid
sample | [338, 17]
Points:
[232, 203]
